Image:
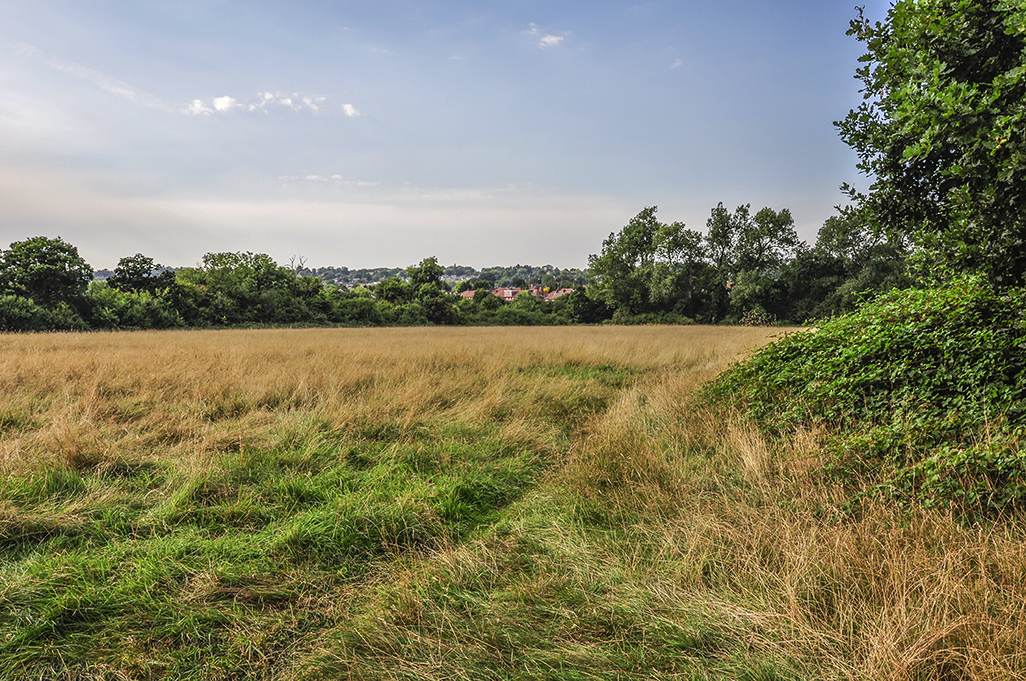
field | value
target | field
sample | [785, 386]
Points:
[478, 503]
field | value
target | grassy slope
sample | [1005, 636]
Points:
[434, 503]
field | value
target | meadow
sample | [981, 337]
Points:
[457, 503]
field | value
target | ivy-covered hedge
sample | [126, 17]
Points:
[924, 391]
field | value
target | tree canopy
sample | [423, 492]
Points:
[46, 271]
[941, 132]
[645, 262]
[140, 273]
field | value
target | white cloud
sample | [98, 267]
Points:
[109, 84]
[313, 102]
[677, 64]
[225, 103]
[261, 101]
[350, 110]
[197, 108]
[547, 40]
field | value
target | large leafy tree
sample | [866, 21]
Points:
[768, 241]
[941, 132]
[722, 235]
[139, 273]
[428, 290]
[624, 268]
[48, 271]
[647, 264]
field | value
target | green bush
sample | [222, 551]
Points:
[22, 314]
[924, 390]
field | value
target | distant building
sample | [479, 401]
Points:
[508, 294]
[552, 295]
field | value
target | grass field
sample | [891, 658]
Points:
[477, 503]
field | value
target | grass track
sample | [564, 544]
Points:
[453, 503]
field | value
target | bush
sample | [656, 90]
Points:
[359, 311]
[21, 314]
[925, 391]
[116, 309]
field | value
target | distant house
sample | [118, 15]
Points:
[508, 294]
[552, 295]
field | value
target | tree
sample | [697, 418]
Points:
[767, 241]
[427, 272]
[393, 290]
[47, 271]
[429, 291]
[846, 236]
[679, 251]
[941, 131]
[722, 235]
[138, 273]
[624, 269]
[583, 309]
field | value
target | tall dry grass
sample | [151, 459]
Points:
[82, 399]
[746, 530]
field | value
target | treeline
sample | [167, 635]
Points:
[746, 268]
[45, 285]
[459, 276]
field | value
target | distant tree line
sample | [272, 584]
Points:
[748, 269]
[745, 269]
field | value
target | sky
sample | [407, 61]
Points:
[371, 134]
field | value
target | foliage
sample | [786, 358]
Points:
[140, 273]
[768, 242]
[584, 309]
[112, 308]
[47, 271]
[941, 132]
[22, 314]
[649, 273]
[394, 290]
[926, 390]
[645, 263]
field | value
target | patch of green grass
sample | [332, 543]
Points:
[177, 568]
[541, 597]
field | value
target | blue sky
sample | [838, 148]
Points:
[377, 134]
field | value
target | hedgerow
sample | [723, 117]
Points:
[923, 390]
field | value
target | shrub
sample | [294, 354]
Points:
[925, 391]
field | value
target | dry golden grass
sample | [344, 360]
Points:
[751, 536]
[183, 394]
[662, 521]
